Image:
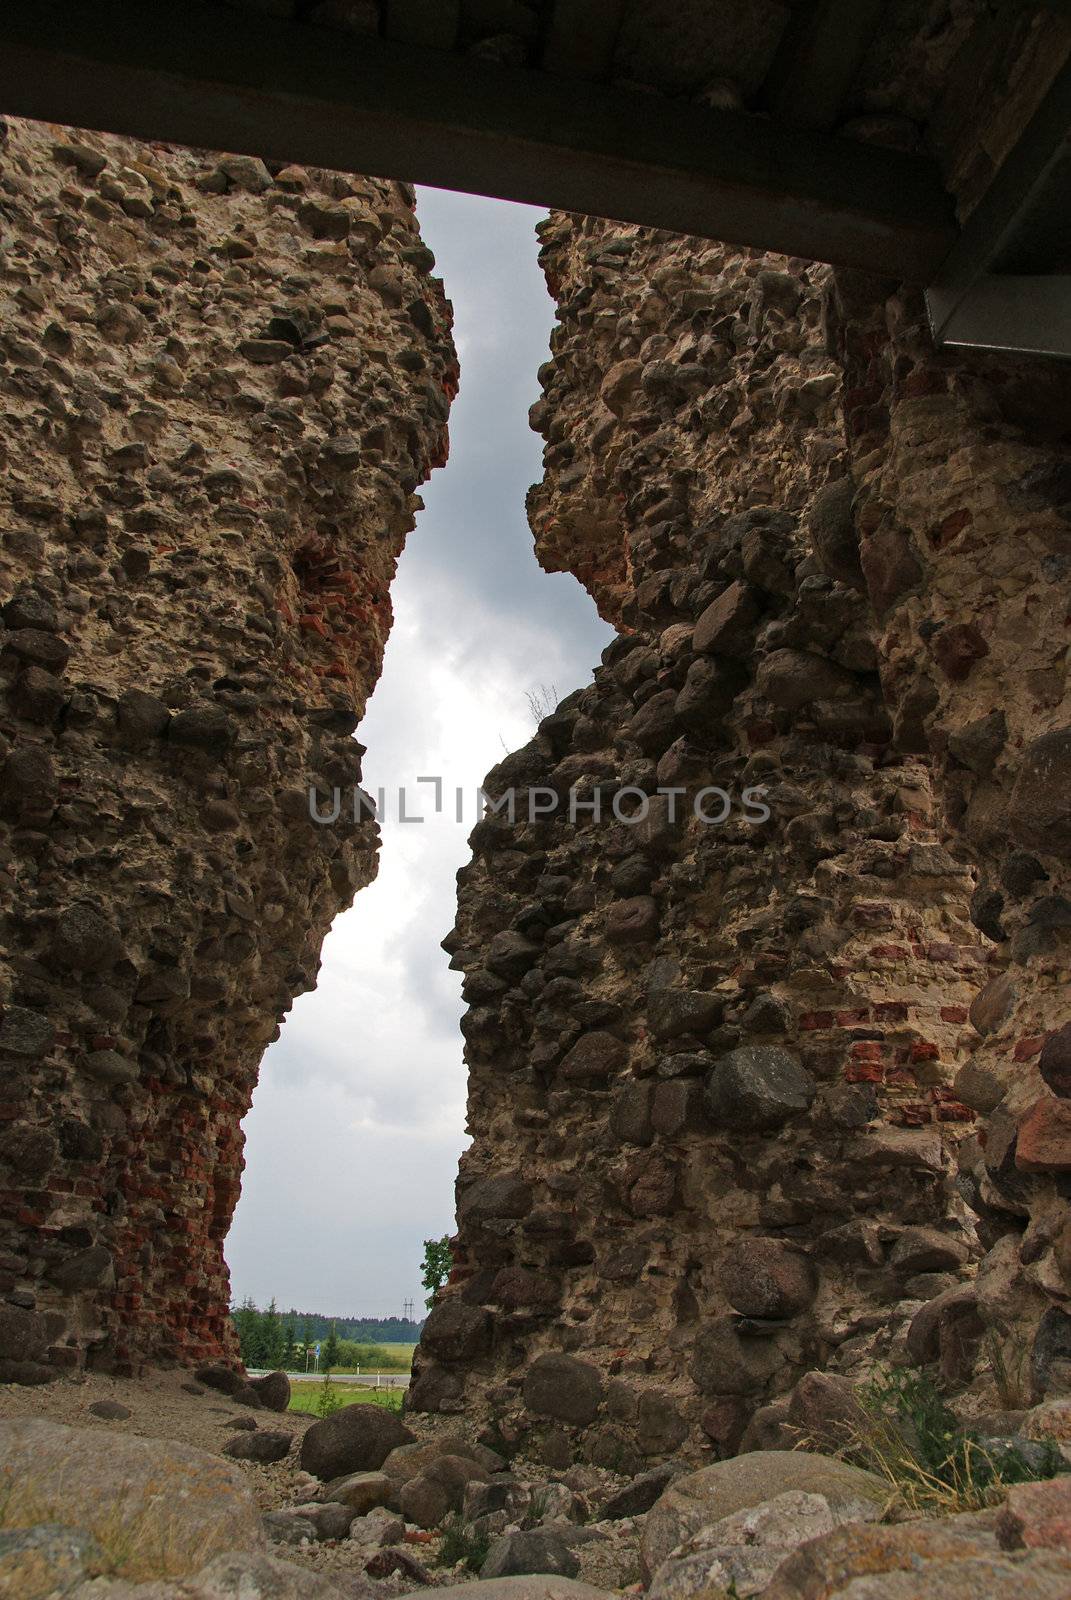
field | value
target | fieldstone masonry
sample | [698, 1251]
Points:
[220, 387]
[777, 1084]
[755, 1097]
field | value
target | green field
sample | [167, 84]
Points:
[306, 1396]
[399, 1359]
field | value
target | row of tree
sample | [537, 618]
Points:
[273, 1339]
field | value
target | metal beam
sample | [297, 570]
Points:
[816, 63]
[1031, 315]
[1020, 231]
[200, 75]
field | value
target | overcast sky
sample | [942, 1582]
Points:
[358, 1121]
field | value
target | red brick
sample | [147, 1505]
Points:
[924, 1050]
[864, 1072]
[892, 1011]
[954, 1013]
[867, 1050]
[1027, 1049]
[815, 1019]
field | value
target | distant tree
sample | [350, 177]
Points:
[329, 1352]
[436, 1266]
[271, 1337]
[246, 1320]
[289, 1356]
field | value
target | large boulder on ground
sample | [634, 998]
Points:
[641, 1494]
[356, 1439]
[167, 1507]
[263, 1446]
[540, 1586]
[273, 1391]
[704, 1497]
[223, 1379]
[239, 1576]
[944, 1560]
[439, 1489]
[361, 1491]
[742, 1552]
[41, 1562]
[538, 1551]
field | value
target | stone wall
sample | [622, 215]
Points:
[724, 1078]
[220, 387]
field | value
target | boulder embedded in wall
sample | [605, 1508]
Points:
[1054, 1063]
[1043, 1143]
[766, 1278]
[834, 534]
[725, 1364]
[1040, 807]
[490, 1199]
[796, 678]
[727, 626]
[457, 1332]
[757, 1088]
[564, 1388]
[593, 1056]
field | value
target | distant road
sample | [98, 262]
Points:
[366, 1380]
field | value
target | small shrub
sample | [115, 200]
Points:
[461, 1542]
[1008, 1355]
[538, 1506]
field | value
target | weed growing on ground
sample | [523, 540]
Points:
[461, 1542]
[908, 1435]
[328, 1399]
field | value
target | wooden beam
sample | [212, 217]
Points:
[201, 75]
[582, 37]
[821, 52]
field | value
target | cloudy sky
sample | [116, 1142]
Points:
[358, 1121]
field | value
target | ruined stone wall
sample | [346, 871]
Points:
[220, 387]
[962, 468]
[712, 1066]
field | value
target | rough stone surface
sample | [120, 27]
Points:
[179, 1505]
[194, 583]
[746, 1011]
[705, 1497]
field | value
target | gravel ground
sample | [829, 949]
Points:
[169, 1405]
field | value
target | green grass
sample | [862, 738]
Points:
[306, 1396]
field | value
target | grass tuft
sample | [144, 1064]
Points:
[462, 1543]
[907, 1434]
